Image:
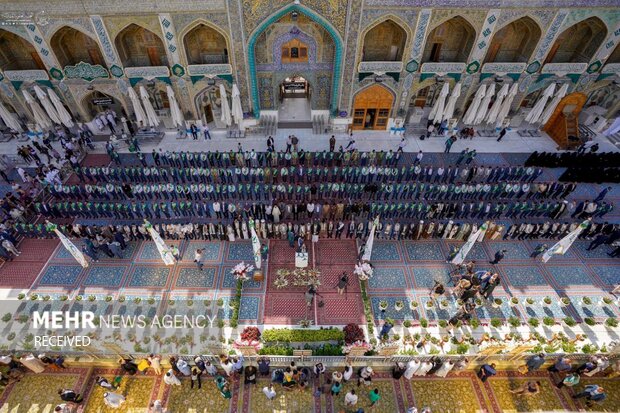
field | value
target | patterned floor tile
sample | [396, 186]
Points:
[105, 276]
[599, 253]
[609, 274]
[517, 250]
[284, 308]
[490, 159]
[425, 276]
[477, 252]
[240, 251]
[388, 278]
[64, 254]
[149, 251]
[285, 401]
[524, 275]
[148, 276]
[426, 251]
[595, 310]
[341, 309]
[488, 311]
[437, 312]
[207, 399]
[457, 394]
[391, 311]
[229, 280]
[20, 274]
[66, 275]
[385, 251]
[612, 389]
[546, 400]
[33, 394]
[335, 252]
[387, 390]
[565, 276]
[249, 308]
[192, 277]
[136, 390]
[211, 250]
[540, 310]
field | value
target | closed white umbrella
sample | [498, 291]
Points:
[151, 116]
[484, 105]
[175, 111]
[226, 118]
[449, 109]
[554, 104]
[505, 109]
[470, 115]
[539, 107]
[137, 107]
[47, 105]
[40, 118]
[497, 105]
[237, 111]
[440, 104]
[64, 116]
[9, 119]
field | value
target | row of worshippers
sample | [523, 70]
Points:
[572, 159]
[176, 209]
[486, 191]
[301, 174]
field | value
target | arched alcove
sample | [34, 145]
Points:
[71, 47]
[578, 43]
[205, 45]
[451, 41]
[514, 42]
[384, 43]
[138, 46]
[17, 54]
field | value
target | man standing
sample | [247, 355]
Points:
[205, 131]
[499, 255]
[501, 134]
[602, 195]
[332, 143]
[449, 143]
[198, 256]
[540, 249]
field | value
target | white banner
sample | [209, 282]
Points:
[460, 256]
[564, 244]
[255, 246]
[164, 251]
[370, 241]
[70, 246]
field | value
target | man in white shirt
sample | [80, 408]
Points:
[270, 393]
[350, 399]
[170, 379]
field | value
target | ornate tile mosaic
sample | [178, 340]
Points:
[248, 310]
[192, 277]
[66, 275]
[427, 251]
[539, 310]
[240, 251]
[147, 276]
[597, 309]
[425, 277]
[385, 251]
[436, 312]
[211, 250]
[516, 250]
[388, 278]
[477, 252]
[64, 254]
[609, 274]
[105, 276]
[524, 275]
[581, 246]
[488, 311]
[229, 281]
[575, 274]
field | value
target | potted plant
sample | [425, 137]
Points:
[478, 302]
[423, 322]
[383, 305]
[606, 301]
[611, 322]
[21, 296]
[407, 323]
[430, 304]
[564, 301]
[108, 298]
[220, 302]
[514, 321]
[497, 302]
[442, 323]
[569, 321]
[474, 323]
[413, 304]
[589, 321]
[399, 305]
[137, 300]
[547, 301]
[121, 299]
[514, 301]
[586, 301]
[533, 322]
[549, 321]
[443, 304]
[496, 322]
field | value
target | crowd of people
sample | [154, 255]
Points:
[581, 166]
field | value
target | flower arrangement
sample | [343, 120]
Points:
[250, 336]
[346, 349]
[305, 323]
[586, 301]
[547, 301]
[353, 333]
[299, 277]
[399, 305]
[383, 305]
[241, 271]
[363, 271]
[413, 305]
[564, 301]
[514, 301]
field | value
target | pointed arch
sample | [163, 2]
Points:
[514, 42]
[372, 107]
[138, 46]
[71, 46]
[17, 53]
[385, 39]
[338, 44]
[451, 41]
[205, 43]
[579, 42]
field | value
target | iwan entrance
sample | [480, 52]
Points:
[295, 107]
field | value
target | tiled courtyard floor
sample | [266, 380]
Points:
[457, 393]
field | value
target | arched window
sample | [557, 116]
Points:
[205, 45]
[17, 54]
[71, 47]
[578, 43]
[294, 51]
[138, 46]
[384, 43]
[450, 42]
[515, 42]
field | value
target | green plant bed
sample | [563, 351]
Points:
[302, 336]
[287, 350]
[370, 320]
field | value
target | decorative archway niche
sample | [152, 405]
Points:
[514, 42]
[579, 42]
[385, 42]
[208, 104]
[138, 47]
[451, 41]
[205, 45]
[17, 53]
[71, 47]
[96, 102]
[372, 107]
[338, 50]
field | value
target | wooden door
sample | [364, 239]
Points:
[377, 99]
[154, 58]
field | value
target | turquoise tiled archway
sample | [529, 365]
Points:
[318, 19]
